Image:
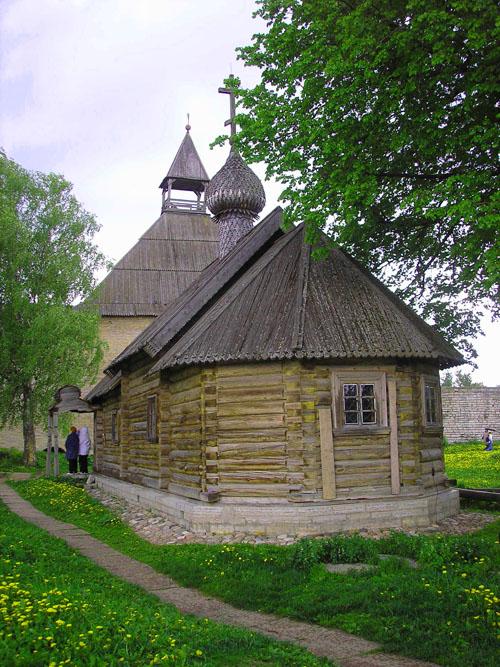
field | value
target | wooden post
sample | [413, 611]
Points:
[48, 464]
[394, 447]
[56, 444]
[327, 454]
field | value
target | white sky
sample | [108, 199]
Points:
[98, 90]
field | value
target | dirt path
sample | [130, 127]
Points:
[342, 648]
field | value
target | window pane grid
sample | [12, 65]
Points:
[359, 404]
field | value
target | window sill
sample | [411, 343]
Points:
[362, 430]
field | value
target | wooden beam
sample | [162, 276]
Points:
[327, 455]
[394, 448]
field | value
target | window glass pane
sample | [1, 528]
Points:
[368, 403]
[367, 390]
[351, 418]
[350, 389]
[350, 403]
[368, 417]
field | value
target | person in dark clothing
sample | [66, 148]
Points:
[72, 445]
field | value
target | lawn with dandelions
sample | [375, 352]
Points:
[471, 466]
[57, 608]
[446, 610]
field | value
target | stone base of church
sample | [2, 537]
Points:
[272, 518]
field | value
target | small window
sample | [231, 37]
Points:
[152, 419]
[115, 427]
[431, 404]
[359, 399]
[359, 404]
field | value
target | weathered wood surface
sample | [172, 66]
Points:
[327, 453]
[394, 441]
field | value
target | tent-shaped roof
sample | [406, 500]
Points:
[287, 305]
[187, 171]
[168, 257]
[268, 299]
[206, 287]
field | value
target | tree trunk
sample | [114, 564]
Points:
[29, 454]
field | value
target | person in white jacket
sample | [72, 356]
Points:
[83, 449]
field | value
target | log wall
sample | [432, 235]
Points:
[107, 453]
[253, 430]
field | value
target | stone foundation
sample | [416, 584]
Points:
[277, 517]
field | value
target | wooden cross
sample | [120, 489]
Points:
[232, 107]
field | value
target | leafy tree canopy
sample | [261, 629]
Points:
[378, 117]
[460, 379]
[47, 262]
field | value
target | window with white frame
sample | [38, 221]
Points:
[359, 399]
[359, 403]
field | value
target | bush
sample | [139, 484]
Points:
[337, 549]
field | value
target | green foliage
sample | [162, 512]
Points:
[337, 549]
[460, 379]
[59, 608]
[471, 466]
[445, 611]
[47, 263]
[378, 117]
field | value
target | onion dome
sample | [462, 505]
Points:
[235, 197]
[235, 187]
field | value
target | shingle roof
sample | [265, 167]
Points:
[105, 385]
[187, 167]
[168, 257]
[209, 283]
[287, 305]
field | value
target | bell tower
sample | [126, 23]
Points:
[186, 174]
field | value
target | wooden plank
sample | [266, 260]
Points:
[393, 438]
[327, 453]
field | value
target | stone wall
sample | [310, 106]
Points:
[467, 411]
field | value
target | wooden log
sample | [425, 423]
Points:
[431, 454]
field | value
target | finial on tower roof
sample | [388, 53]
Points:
[188, 126]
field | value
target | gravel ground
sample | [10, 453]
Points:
[158, 529]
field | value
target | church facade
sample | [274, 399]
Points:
[278, 393]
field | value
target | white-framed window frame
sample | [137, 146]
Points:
[359, 377]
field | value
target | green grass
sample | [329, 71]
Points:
[58, 608]
[471, 466]
[446, 611]
[11, 460]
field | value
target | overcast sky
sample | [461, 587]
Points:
[98, 90]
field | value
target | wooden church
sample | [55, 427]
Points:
[277, 393]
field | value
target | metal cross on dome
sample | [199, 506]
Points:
[232, 106]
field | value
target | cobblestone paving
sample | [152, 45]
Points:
[344, 649]
[158, 529]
